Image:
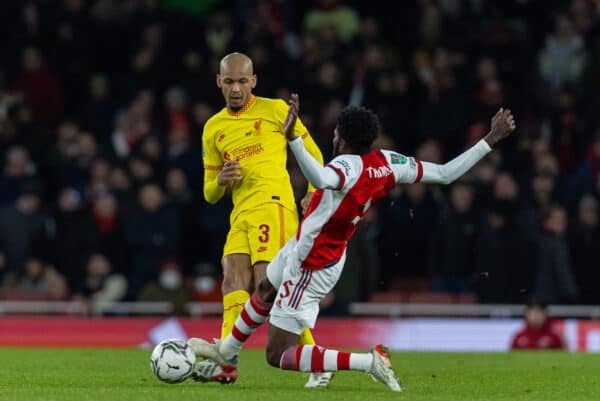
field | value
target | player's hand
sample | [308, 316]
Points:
[230, 173]
[503, 124]
[306, 201]
[292, 116]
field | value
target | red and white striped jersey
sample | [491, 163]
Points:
[333, 215]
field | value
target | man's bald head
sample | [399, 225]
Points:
[236, 61]
[236, 80]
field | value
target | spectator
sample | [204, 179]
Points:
[563, 57]
[101, 283]
[18, 171]
[207, 283]
[22, 230]
[97, 113]
[333, 14]
[554, 279]
[408, 219]
[151, 149]
[152, 234]
[505, 256]
[452, 260]
[119, 184]
[169, 286]
[40, 281]
[74, 235]
[189, 213]
[539, 332]
[584, 242]
[109, 231]
[40, 86]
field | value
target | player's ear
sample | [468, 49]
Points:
[218, 80]
[345, 146]
[253, 81]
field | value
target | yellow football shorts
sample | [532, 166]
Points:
[261, 232]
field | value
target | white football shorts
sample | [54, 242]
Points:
[296, 305]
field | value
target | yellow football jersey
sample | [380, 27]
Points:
[255, 136]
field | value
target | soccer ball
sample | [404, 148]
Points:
[172, 361]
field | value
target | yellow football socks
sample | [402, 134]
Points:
[233, 303]
[306, 338]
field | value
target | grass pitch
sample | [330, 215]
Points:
[125, 375]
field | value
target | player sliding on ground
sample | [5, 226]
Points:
[310, 264]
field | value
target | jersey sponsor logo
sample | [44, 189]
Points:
[248, 151]
[397, 158]
[343, 164]
[379, 172]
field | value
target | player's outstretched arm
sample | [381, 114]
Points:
[317, 175]
[503, 124]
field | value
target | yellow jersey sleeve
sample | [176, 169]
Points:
[213, 163]
[301, 131]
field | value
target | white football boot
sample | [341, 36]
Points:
[214, 367]
[381, 369]
[321, 379]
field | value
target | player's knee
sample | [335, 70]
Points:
[273, 355]
[266, 291]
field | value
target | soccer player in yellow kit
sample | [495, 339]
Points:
[244, 148]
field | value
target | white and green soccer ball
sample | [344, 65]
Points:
[172, 361]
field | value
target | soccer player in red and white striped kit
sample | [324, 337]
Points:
[310, 264]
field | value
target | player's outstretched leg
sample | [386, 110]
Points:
[308, 358]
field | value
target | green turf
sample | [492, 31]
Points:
[109, 374]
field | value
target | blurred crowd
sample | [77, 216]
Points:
[102, 105]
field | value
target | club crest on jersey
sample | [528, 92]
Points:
[379, 172]
[397, 158]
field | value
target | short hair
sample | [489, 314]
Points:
[358, 126]
[536, 302]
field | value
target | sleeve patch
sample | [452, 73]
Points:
[343, 165]
[397, 158]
